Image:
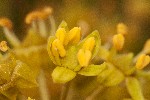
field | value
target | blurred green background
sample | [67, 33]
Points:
[102, 15]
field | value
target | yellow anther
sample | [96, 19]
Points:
[3, 46]
[89, 44]
[147, 46]
[74, 35]
[5, 22]
[122, 29]
[57, 45]
[60, 34]
[84, 57]
[118, 41]
[142, 61]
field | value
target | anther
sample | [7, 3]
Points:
[122, 29]
[60, 34]
[89, 44]
[37, 16]
[3, 46]
[7, 27]
[84, 57]
[48, 12]
[74, 35]
[142, 61]
[58, 45]
[118, 41]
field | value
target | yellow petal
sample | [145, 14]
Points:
[89, 44]
[142, 61]
[118, 41]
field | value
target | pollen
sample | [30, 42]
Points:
[60, 34]
[89, 44]
[122, 29]
[57, 45]
[5, 22]
[84, 57]
[3, 46]
[142, 61]
[118, 41]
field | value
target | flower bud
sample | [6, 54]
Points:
[142, 61]
[118, 41]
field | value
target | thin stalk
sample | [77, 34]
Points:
[53, 25]
[33, 24]
[64, 91]
[42, 28]
[11, 37]
[95, 93]
[43, 87]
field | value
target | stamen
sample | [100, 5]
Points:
[142, 61]
[89, 44]
[122, 29]
[3, 46]
[58, 45]
[84, 57]
[118, 41]
[48, 11]
[60, 34]
[7, 26]
[39, 17]
[74, 35]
